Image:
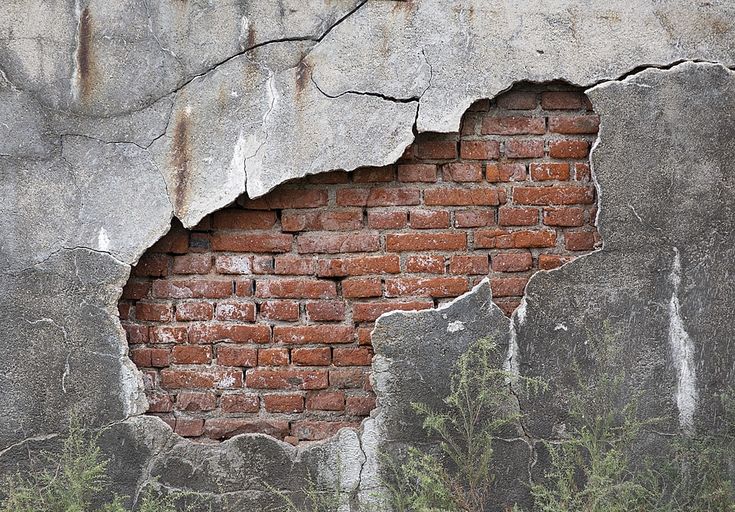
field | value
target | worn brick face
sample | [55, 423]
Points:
[260, 318]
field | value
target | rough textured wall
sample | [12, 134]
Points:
[259, 319]
[116, 117]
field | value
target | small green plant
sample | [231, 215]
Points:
[72, 481]
[479, 405]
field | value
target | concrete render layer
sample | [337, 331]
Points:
[116, 117]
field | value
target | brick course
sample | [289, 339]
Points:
[259, 319]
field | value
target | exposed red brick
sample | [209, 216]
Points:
[243, 219]
[240, 311]
[370, 311]
[154, 312]
[191, 354]
[326, 401]
[426, 287]
[192, 289]
[280, 310]
[251, 242]
[437, 149]
[473, 218]
[544, 171]
[333, 243]
[362, 288]
[569, 148]
[493, 239]
[288, 198]
[479, 150]
[551, 261]
[426, 242]
[545, 196]
[524, 148]
[292, 378]
[429, 219]
[295, 289]
[469, 265]
[518, 100]
[374, 174]
[387, 219]
[352, 356]
[152, 265]
[579, 241]
[462, 172]
[411, 173]
[425, 264]
[273, 357]
[294, 265]
[239, 403]
[563, 217]
[312, 356]
[359, 405]
[219, 378]
[575, 125]
[536, 238]
[234, 355]
[313, 334]
[189, 427]
[188, 311]
[233, 264]
[339, 220]
[508, 216]
[326, 311]
[562, 100]
[461, 197]
[209, 333]
[359, 265]
[195, 401]
[506, 171]
[513, 125]
[512, 262]
[283, 403]
[508, 286]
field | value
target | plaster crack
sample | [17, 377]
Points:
[33, 439]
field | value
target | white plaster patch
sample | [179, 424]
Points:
[103, 241]
[226, 382]
[682, 349]
[561, 327]
[512, 363]
[455, 326]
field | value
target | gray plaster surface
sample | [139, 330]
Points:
[114, 116]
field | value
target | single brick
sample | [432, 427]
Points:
[564, 217]
[508, 216]
[493, 239]
[512, 262]
[469, 264]
[352, 356]
[513, 125]
[192, 264]
[168, 334]
[347, 378]
[479, 149]
[192, 289]
[518, 100]
[239, 403]
[295, 289]
[387, 219]
[292, 378]
[579, 241]
[333, 243]
[263, 265]
[283, 403]
[544, 171]
[233, 264]
[437, 149]
[377, 197]
[152, 265]
[551, 261]
[545, 196]
[312, 430]
[326, 401]
[204, 378]
[329, 178]
[462, 172]
[428, 264]
[569, 148]
[359, 405]
[244, 287]
[188, 311]
[429, 219]
[189, 427]
[426, 287]
[562, 100]
[411, 173]
[357, 288]
[461, 197]
[508, 286]
[575, 125]
[533, 239]
[374, 174]
[311, 356]
[326, 311]
[280, 310]
[243, 219]
[339, 220]
[474, 218]
[313, 334]
[238, 311]
[149, 312]
[234, 355]
[524, 148]
[294, 265]
[450, 241]
[359, 265]
[251, 242]
[191, 354]
[287, 198]
[238, 333]
[273, 357]
[195, 401]
[505, 172]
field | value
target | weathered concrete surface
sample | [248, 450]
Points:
[91, 95]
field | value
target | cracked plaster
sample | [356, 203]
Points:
[92, 175]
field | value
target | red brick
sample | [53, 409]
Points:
[531, 239]
[192, 264]
[479, 149]
[175, 241]
[225, 428]
[296, 289]
[359, 405]
[574, 125]
[233, 264]
[243, 219]
[233, 355]
[582, 172]
[189, 427]
[329, 178]
[199, 242]
[579, 241]
[429, 219]
[292, 378]
[387, 220]
[244, 287]
[469, 264]
[239, 403]
[426, 242]
[239, 311]
[513, 125]
[326, 311]
[167, 334]
[251, 242]
[345, 378]
[332, 243]
[563, 217]
[152, 265]
[141, 357]
[191, 354]
[508, 216]
[461, 197]
[340, 220]
[136, 333]
[283, 403]
[352, 356]
[524, 148]
[569, 148]
[134, 290]
[512, 262]
[428, 264]
[493, 239]
[562, 100]
[551, 261]
[159, 402]
[273, 357]
[378, 197]
[195, 401]
[201, 378]
[543, 171]
[358, 266]
[474, 218]
[545, 196]
[188, 311]
[426, 287]
[263, 265]
[508, 286]
[518, 100]
[287, 198]
[412, 173]
[508, 306]
[362, 288]
[312, 356]
[294, 265]
[280, 310]
[238, 333]
[462, 172]
[326, 401]
[437, 149]
[374, 174]
[370, 311]
[149, 312]
[192, 289]
[160, 357]
[313, 334]
[365, 336]
[505, 172]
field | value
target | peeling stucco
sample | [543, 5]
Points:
[114, 118]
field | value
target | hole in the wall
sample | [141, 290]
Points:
[259, 318]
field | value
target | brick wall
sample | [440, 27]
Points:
[259, 319]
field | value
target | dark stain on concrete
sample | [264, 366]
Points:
[85, 57]
[181, 161]
[303, 75]
[251, 36]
